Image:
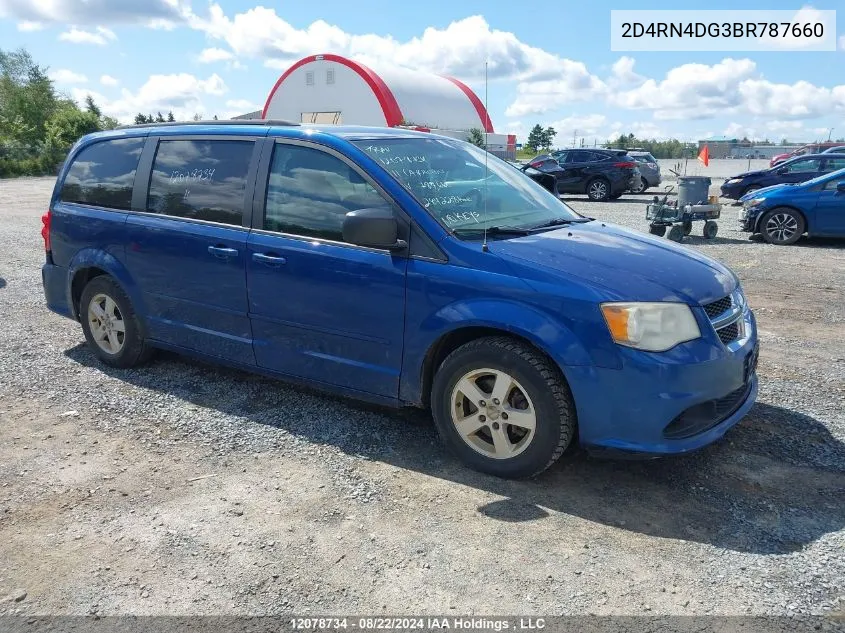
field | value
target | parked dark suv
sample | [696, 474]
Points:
[403, 268]
[603, 174]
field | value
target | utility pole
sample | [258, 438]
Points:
[574, 134]
[829, 132]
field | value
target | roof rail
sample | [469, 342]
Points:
[212, 122]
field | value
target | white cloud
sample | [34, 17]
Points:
[182, 93]
[27, 26]
[65, 76]
[690, 91]
[799, 100]
[623, 72]
[100, 37]
[842, 42]
[211, 55]
[244, 105]
[578, 127]
[108, 80]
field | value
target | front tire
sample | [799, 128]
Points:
[110, 324]
[502, 407]
[782, 226]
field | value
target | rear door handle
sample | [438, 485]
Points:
[222, 252]
[270, 260]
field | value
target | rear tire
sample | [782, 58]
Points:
[598, 189]
[711, 228]
[473, 421]
[782, 226]
[640, 187]
[110, 324]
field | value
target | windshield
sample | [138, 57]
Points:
[447, 176]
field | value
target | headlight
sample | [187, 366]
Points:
[754, 202]
[733, 181]
[653, 327]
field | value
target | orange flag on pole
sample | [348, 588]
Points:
[704, 156]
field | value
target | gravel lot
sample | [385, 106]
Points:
[182, 488]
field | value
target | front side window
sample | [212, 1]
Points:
[463, 186]
[309, 193]
[834, 164]
[200, 179]
[103, 174]
[803, 166]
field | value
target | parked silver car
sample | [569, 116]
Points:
[649, 170]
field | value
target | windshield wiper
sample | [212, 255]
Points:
[561, 222]
[493, 230]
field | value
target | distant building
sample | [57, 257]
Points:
[726, 147]
[330, 89]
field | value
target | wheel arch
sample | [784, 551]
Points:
[564, 349]
[88, 264]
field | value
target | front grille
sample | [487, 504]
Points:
[728, 333]
[718, 307]
[703, 417]
[727, 308]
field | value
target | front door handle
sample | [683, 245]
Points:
[270, 260]
[223, 252]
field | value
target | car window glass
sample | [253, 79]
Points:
[200, 179]
[833, 185]
[576, 157]
[103, 174]
[834, 164]
[561, 156]
[803, 166]
[310, 192]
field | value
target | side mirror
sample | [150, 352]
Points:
[840, 187]
[782, 171]
[375, 227]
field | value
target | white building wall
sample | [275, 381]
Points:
[430, 100]
[424, 99]
[349, 94]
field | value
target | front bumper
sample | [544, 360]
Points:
[747, 219]
[733, 192]
[637, 409]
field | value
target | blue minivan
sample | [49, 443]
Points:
[402, 268]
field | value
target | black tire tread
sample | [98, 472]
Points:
[802, 225]
[554, 379]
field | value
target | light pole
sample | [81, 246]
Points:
[829, 132]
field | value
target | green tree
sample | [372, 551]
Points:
[536, 138]
[140, 119]
[159, 118]
[549, 137]
[27, 98]
[92, 107]
[170, 117]
[476, 137]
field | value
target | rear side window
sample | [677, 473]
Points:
[200, 179]
[103, 174]
[310, 192]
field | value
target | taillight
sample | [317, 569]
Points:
[535, 165]
[624, 164]
[45, 229]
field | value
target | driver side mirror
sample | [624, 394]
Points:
[782, 171]
[840, 187]
[375, 227]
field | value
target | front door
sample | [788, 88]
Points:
[187, 250]
[830, 210]
[322, 309]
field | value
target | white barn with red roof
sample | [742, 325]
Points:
[337, 90]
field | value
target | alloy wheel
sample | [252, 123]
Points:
[107, 325]
[782, 227]
[493, 413]
[598, 190]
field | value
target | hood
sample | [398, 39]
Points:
[627, 264]
[763, 191]
[750, 174]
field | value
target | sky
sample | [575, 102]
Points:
[548, 63]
